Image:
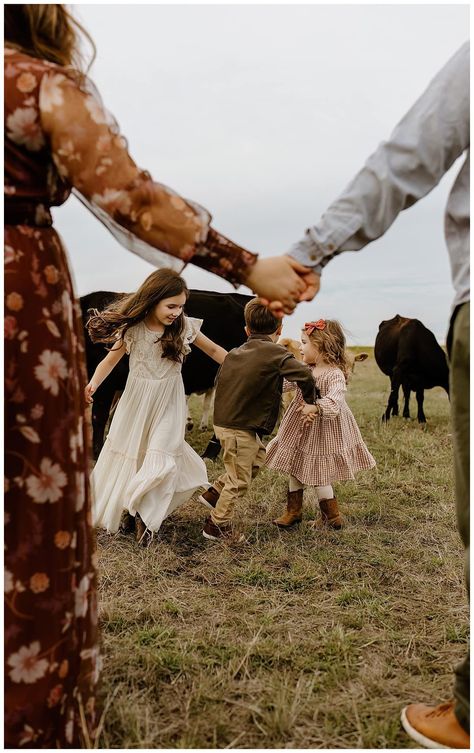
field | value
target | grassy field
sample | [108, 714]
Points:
[297, 639]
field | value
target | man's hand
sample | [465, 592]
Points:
[312, 282]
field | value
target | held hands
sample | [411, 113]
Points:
[309, 413]
[312, 282]
[89, 391]
[283, 282]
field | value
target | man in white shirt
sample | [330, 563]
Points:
[423, 146]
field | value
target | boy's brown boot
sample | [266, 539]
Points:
[330, 515]
[224, 532]
[210, 497]
[294, 507]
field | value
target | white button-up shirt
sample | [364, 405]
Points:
[423, 146]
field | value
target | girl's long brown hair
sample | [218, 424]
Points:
[110, 325]
[331, 343]
[49, 32]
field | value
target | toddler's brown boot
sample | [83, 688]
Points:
[294, 507]
[330, 515]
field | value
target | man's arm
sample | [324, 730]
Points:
[424, 145]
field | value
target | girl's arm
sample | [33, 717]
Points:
[330, 405]
[210, 348]
[103, 370]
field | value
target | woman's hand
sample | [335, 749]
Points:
[89, 391]
[282, 281]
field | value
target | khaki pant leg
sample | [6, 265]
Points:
[240, 450]
[219, 483]
[259, 457]
[459, 354]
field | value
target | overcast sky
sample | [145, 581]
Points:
[263, 113]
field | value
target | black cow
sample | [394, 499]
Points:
[223, 322]
[409, 354]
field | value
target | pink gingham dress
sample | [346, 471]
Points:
[329, 449]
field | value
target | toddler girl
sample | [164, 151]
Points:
[145, 465]
[319, 444]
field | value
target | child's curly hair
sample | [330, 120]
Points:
[331, 343]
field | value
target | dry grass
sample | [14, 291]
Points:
[298, 639]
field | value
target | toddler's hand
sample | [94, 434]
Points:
[308, 413]
[89, 391]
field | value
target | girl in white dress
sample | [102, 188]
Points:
[145, 465]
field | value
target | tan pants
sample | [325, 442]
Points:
[243, 456]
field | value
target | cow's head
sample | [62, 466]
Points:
[292, 346]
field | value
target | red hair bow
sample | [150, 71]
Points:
[309, 327]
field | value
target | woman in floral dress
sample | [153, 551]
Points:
[59, 138]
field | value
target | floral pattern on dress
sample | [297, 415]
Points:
[59, 138]
[51, 656]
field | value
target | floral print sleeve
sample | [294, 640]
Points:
[146, 217]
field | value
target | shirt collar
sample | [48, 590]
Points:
[259, 337]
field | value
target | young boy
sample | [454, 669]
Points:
[249, 387]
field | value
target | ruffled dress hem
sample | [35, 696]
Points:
[335, 467]
[125, 488]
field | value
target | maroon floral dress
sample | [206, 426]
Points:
[58, 137]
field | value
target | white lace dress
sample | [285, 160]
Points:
[145, 465]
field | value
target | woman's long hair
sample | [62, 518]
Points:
[48, 32]
[331, 343]
[110, 325]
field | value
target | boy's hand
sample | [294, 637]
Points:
[89, 391]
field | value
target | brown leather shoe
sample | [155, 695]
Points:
[434, 726]
[143, 535]
[210, 498]
[330, 515]
[224, 532]
[292, 514]
[127, 524]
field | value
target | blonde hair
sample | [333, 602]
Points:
[331, 343]
[47, 31]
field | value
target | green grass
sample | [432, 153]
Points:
[302, 638]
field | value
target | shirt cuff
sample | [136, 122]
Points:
[309, 253]
[223, 257]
